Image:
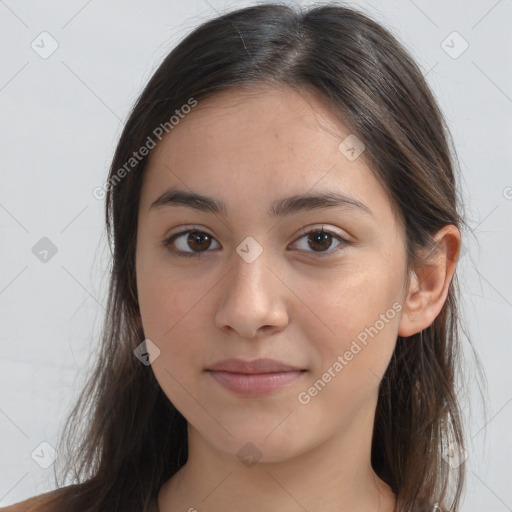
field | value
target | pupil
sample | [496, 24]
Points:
[197, 238]
[320, 238]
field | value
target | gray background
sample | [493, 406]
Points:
[61, 117]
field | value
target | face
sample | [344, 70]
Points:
[260, 279]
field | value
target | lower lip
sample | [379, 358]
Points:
[255, 383]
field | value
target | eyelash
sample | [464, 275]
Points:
[184, 254]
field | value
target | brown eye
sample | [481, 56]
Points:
[190, 243]
[319, 242]
[199, 241]
[196, 242]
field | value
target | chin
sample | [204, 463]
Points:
[252, 445]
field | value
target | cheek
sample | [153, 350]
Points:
[357, 317]
[170, 309]
[363, 317]
[173, 315]
[165, 297]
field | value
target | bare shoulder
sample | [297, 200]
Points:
[34, 504]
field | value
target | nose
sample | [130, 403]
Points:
[253, 299]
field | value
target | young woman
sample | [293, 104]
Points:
[282, 329]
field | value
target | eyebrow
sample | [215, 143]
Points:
[175, 197]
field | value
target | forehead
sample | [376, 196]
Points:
[241, 122]
[260, 142]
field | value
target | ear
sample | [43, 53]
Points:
[430, 283]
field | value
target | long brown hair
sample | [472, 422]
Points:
[124, 438]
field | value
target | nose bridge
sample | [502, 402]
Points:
[250, 266]
[252, 294]
[250, 275]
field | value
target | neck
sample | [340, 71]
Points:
[334, 476]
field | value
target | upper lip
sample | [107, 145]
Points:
[255, 366]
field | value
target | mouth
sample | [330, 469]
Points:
[256, 377]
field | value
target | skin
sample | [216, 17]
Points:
[249, 147]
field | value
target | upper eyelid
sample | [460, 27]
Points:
[304, 231]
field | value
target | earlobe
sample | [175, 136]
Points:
[412, 307]
[430, 283]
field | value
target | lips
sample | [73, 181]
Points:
[256, 377]
[256, 366]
